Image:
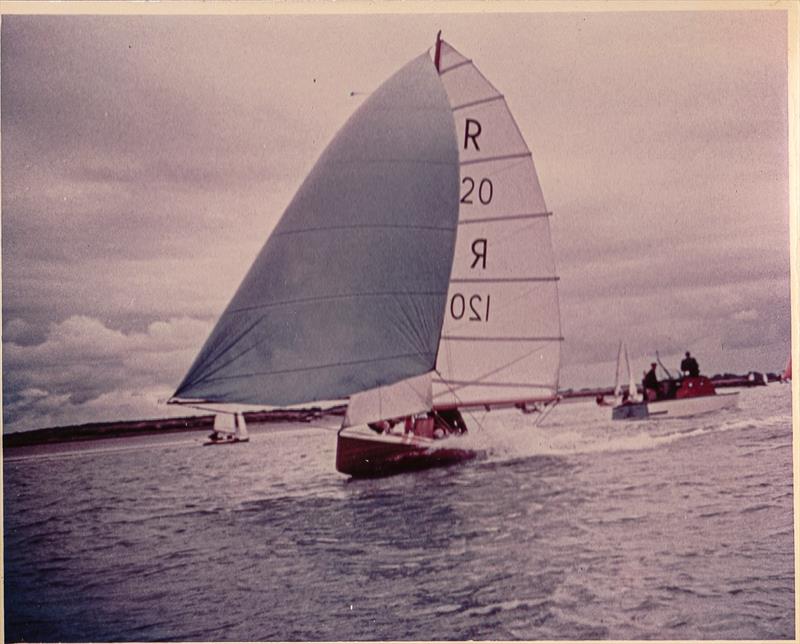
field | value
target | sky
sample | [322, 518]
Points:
[145, 160]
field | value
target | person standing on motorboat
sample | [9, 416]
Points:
[689, 366]
[650, 383]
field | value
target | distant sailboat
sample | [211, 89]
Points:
[228, 428]
[412, 274]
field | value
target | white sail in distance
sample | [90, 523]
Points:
[501, 337]
[618, 374]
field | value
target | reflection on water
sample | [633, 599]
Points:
[581, 528]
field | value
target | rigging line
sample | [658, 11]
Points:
[364, 226]
[340, 296]
[480, 220]
[545, 412]
[517, 155]
[480, 101]
[459, 400]
[320, 366]
[455, 66]
[503, 366]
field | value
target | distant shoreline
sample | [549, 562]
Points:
[123, 429]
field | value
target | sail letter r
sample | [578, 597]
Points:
[479, 250]
[470, 133]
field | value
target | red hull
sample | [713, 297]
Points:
[363, 457]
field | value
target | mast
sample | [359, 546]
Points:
[437, 57]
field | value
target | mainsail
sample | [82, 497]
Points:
[348, 293]
[502, 336]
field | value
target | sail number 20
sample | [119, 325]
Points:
[476, 307]
[485, 190]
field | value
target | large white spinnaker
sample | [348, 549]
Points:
[501, 335]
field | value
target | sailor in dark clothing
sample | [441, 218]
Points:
[689, 366]
[650, 383]
[454, 421]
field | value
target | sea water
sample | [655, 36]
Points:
[579, 528]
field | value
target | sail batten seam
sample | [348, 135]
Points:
[331, 365]
[481, 101]
[321, 298]
[364, 226]
[503, 157]
[500, 338]
[481, 220]
[456, 66]
[491, 280]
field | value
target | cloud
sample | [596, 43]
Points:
[83, 367]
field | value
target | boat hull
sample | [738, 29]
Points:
[232, 441]
[675, 408]
[362, 455]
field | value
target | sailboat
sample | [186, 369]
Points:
[228, 429]
[411, 275]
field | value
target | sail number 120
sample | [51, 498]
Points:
[476, 307]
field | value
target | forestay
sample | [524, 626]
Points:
[501, 335]
[349, 291]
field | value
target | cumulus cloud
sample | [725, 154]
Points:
[83, 367]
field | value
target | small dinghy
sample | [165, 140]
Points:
[229, 429]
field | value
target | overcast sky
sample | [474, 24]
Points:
[147, 158]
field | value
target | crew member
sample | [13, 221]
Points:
[650, 383]
[689, 366]
[453, 420]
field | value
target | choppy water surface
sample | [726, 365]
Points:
[581, 528]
